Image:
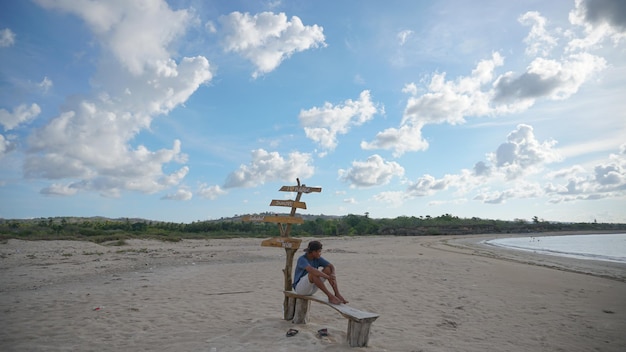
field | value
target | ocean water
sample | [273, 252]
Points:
[605, 247]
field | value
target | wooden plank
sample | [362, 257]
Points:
[288, 203]
[300, 189]
[253, 218]
[346, 311]
[272, 218]
[282, 242]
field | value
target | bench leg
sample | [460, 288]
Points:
[359, 332]
[290, 307]
[301, 311]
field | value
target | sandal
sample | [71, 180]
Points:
[322, 332]
[291, 332]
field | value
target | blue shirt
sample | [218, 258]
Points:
[303, 262]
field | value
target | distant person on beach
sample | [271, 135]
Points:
[308, 277]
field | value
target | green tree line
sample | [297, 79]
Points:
[101, 229]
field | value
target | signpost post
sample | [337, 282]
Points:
[291, 245]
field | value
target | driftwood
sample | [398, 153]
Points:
[359, 322]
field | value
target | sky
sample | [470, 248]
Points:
[193, 110]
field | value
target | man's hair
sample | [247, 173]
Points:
[314, 246]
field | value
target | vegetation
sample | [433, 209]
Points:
[118, 230]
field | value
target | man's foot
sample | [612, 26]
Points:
[343, 300]
[334, 300]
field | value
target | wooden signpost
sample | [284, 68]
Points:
[291, 245]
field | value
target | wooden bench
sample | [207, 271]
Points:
[359, 322]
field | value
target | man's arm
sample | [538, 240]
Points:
[316, 272]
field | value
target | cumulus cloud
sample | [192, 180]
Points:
[210, 192]
[7, 38]
[444, 102]
[322, 125]
[89, 145]
[450, 101]
[375, 171]
[513, 172]
[487, 93]
[6, 146]
[136, 33]
[56, 189]
[539, 40]
[266, 39]
[548, 78]
[180, 194]
[606, 179]
[522, 153]
[20, 115]
[270, 166]
[407, 138]
[520, 190]
[601, 19]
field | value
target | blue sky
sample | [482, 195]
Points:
[192, 110]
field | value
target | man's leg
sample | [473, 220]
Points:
[320, 284]
[334, 285]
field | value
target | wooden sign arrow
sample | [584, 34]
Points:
[271, 218]
[300, 189]
[282, 242]
[288, 203]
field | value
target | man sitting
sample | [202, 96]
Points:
[308, 277]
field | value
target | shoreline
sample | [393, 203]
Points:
[433, 294]
[605, 269]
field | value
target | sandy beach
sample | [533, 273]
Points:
[432, 294]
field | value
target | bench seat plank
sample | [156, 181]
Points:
[359, 322]
[346, 311]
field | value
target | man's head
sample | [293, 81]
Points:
[313, 247]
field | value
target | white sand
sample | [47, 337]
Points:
[432, 294]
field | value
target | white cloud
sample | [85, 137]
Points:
[410, 88]
[394, 198]
[20, 115]
[547, 78]
[485, 93]
[59, 190]
[45, 84]
[404, 35]
[137, 33]
[539, 41]
[450, 101]
[322, 125]
[210, 192]
[520, 190]
[522, 153]
[6, 146]
[444, 102]
[181, 194]
[606, 180]
[375, 171]
[407, 138]
[7, 38]
[266, 39]
[601, 19]
[270, 166]
[90, 143]
[210, 27]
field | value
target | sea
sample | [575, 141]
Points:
[604, 247]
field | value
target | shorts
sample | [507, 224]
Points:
[305, 287]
